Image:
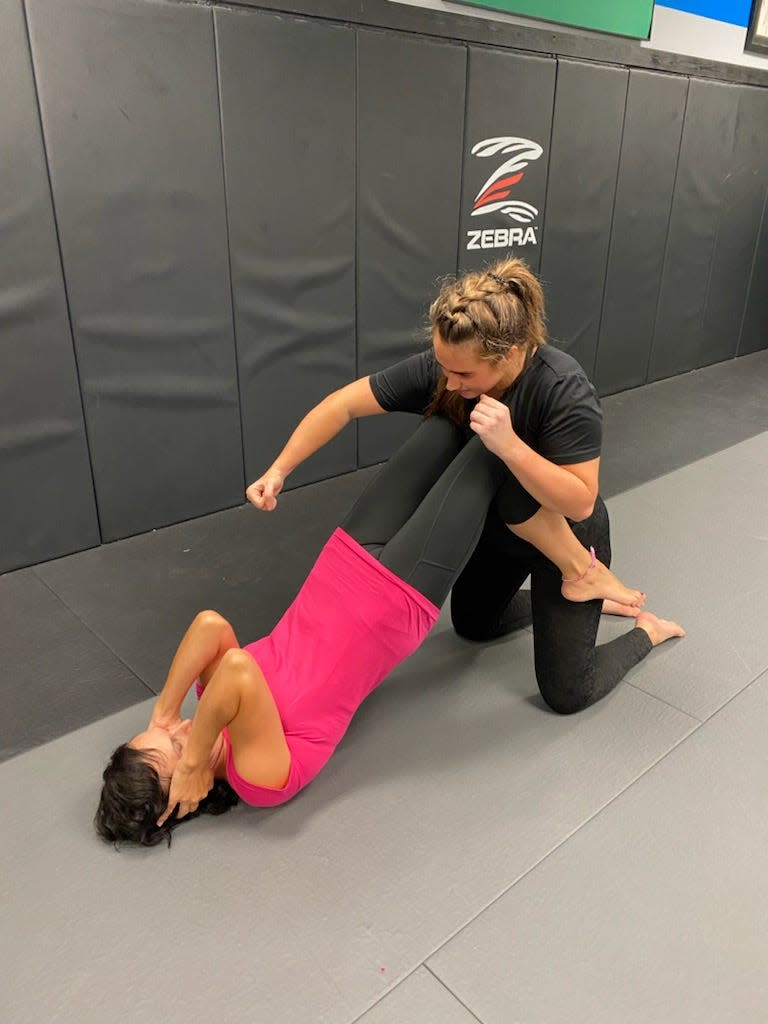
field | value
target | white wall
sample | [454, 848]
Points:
[678, 32]
[671, 30]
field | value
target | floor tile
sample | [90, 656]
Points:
[696, 541]
[420, 999]
[139, 595]
[451, 783]
[655, 429]
[656, 910]
[57, 674]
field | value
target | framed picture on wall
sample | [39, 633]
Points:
[757, 33]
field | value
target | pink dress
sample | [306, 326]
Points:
[350, 624]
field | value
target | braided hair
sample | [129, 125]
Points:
[495, 309]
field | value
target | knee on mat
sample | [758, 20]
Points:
[564, 701]
[468, 627]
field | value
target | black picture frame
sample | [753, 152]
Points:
[757, 32]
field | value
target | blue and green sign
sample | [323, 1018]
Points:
[622, 17]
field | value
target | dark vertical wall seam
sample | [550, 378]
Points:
[61, 264]
[591, 374]
[705, 303]
[463, 155]
[543, 228]
[752, 272]
[666, 239]
[217, 61]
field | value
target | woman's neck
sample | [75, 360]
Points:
[519, 362]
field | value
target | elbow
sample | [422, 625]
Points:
[339, 408]
[583, 511]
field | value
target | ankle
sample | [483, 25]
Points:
[574, 572]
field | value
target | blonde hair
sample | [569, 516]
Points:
[495, 309]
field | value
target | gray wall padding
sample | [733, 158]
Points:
[754, 332]
[510, 96]
[705, 162]
[410, 118]
[48, 507]
[650, 146]
[586, 136]
[740, 213]
[130, 113]
[290, 176]
[230, 212]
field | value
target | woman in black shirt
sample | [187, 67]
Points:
[491, 372]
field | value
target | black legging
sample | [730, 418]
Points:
[426, 511]
[486, 602]
[423, 514]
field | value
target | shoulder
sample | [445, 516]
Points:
[408, 385]
[558, 408]
[558, 377]
[255, 731]
[559, 365]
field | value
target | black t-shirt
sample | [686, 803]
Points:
[555, 408]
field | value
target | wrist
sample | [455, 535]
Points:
[513, 453]
[188, 766]
[165, 712]
[197, 757]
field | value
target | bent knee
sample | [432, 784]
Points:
[236, 660]
[565, 700]
[565, 707]
[209, 619]
[469, 627]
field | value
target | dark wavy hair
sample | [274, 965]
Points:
[133, 798]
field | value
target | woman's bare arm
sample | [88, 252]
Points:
[238, 698]
[319, 426]
[197, 657]
[570, 490]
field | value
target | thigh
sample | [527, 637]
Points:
[483, 595]
[434, 544]
[402, 483]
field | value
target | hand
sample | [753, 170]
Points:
[188, 787]
[492, 422]
[263, 492]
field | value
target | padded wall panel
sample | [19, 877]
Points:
[586, 137]
[705, 162]
[410, 121]
[739, 228]
[288, 114]
[754, 327]
[650, 146]
[130, 115]
[509, 97]
[48, 506]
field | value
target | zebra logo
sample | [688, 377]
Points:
[494, 194]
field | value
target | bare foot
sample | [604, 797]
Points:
[657, 629]
[614, 608]
[600, 582]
